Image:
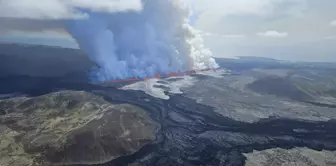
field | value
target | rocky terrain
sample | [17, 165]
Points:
[258, 94]
[263, 112]
[70, 127]
[291, 157]
[189, 133]
[306, 85]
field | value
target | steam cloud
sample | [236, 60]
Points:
[138, 41]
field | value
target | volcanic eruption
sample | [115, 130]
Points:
[157, 39]
[126, 39]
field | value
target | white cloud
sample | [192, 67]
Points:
[225, 7]
[282, 24]
[330, 38]
[333, 23]
[211, 14]
[206, 34]
[233, 36]
[230, 26]
[272, 33]
[260, 7]
[62, 9]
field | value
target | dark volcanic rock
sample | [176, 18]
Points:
[304, 86]
[33, 60]
[280, 87]
[2, 112]
[70, 127]
[81, 129]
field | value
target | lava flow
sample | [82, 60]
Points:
[161, 76]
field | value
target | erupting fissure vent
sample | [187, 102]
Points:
[174, 74]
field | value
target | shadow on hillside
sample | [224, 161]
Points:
[41, 61]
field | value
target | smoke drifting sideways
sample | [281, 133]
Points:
[155, 40]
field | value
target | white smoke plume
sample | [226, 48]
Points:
[134, 40]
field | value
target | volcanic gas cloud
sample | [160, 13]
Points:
[126, 38]
[156, 39]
